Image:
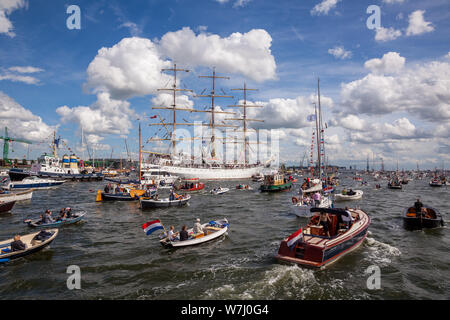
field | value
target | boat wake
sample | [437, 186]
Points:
[380, 253]
[282, 282]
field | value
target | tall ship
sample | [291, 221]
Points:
[206, 166]
[51, 166]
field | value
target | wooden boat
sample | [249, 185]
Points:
[127, 193]
[428, 218]
[16, 196]
[6, 206]
[214, 229]
[76, 217]
[316, 249]
[275, 183]
[150, 203]
[435, 183]
[220, 190]
[345, 197]
[33, 245]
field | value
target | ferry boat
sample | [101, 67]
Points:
[275, 183]
[310, 246]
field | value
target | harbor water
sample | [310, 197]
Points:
[119, 261]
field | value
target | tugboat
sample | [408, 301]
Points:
[311, 247]
[275, 183]
[51, 166]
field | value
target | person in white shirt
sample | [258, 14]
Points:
[171, 235]
[347, 218]
[198, 227]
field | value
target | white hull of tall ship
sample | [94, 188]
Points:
[213, 173]
[305, 210]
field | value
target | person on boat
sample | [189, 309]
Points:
[17, 244]
[418, 206]
[106, 188]
[117, 189]
[171, 235]
[184, 234]
[47, 218]
[172, 195]
[198, 227]
[347, 218]
[344, 192]
[316, 197]
[324, 218]
[68, 213]
[62, 214]
[351, 192]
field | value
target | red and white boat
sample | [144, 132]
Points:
[310, 246]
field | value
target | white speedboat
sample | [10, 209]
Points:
[8, 196]
[32, 183]
[213, 230]
[219, 190]
[345, 197]
[149, 203]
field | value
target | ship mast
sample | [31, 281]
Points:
[174, 108]
[244, 105]
[212, 96]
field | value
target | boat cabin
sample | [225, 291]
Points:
[274, 180]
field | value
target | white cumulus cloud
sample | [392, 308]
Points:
[417, 24]
[387, 34]
[391, 62]
[324, 7]
[340, 53]
[6, 8]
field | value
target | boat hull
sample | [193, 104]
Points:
[417, 223]
[73, 177]
[212, 173]
[22, 185]
[7, 206]
[16, 196]
[343, 197]
[276, 188]
[118, 197]
[58, 223]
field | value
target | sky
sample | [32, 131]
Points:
[385, 90]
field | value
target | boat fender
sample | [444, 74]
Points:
[294, 200]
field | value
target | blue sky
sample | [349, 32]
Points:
[301, 46]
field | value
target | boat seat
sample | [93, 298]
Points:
[213, 228]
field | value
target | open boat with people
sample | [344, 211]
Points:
[243, 187]
[213, 230]
[220, 190]
[428, 217]
[34, 242]
[190, 186]
[120, 193]
[152, 202]
[394, 184]
[310, 246]
[74, 218]
[6, 206]
[435, 182]
[349, 196]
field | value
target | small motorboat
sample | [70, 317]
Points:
[33, 183]
[435, 183]
[16, 196]
[75, 217]
[428, 218]
[34, 242]
[302, 206]
[150, 203]
[346, 197]
[213, 230]
[310, 246]
[258, 177]
[219, 190]
[191, 187]
[124, 193]
[394, 185]
[6, 206]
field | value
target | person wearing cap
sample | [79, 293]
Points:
[198, 227]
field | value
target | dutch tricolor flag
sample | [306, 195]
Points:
[295, 238]
[151, 226]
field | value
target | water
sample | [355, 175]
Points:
[118, 261]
